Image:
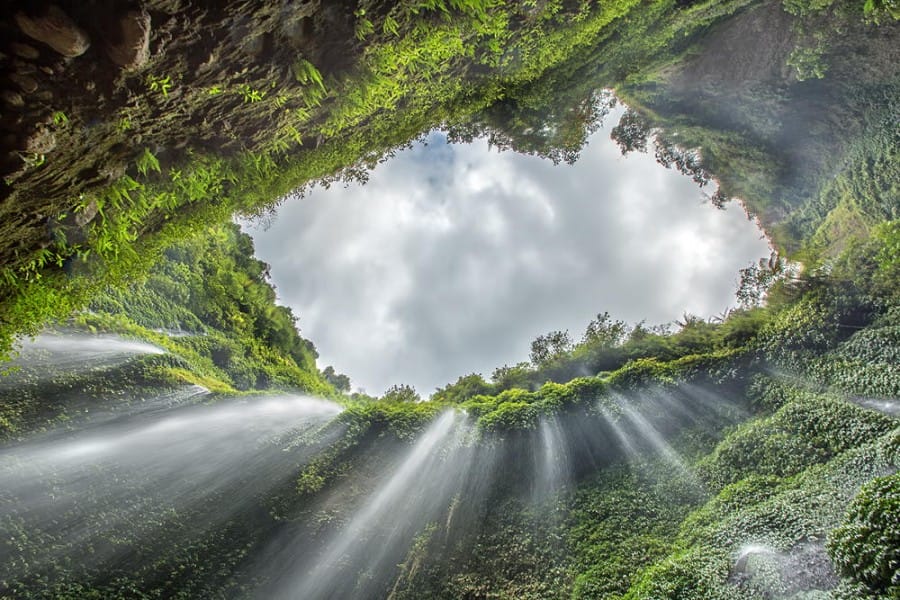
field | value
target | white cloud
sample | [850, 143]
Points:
[453, 258]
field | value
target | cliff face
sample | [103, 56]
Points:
[89, 88]
[754, 472]
[127, 129]
[782, 106]
[107, 109]
[124, 128]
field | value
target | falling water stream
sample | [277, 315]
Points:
[552, 465]
[120, 478]
[76, 351]
[180, 466]
[407, 499]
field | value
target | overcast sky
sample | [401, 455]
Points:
[452, 258]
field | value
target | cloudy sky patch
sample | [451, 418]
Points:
[454, 257]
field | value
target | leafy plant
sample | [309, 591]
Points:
[866, 547]
[364, 27]
[306, 72]
[32, 160]
[158, 84]
[808, 62]
[391, 26]
[249, 94]
[147, 162]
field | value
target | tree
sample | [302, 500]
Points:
[757, 279]
[339, 381]
[686, 162]
[719, 198]
[545, 118]
[401, 393]
[604, 332]
[632, 133]
[549, 347]
[508, 377]
[465, 387]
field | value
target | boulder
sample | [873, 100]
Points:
[26, 84]
[24, 51]
[55, 29]
[129, 43]
[13, 99]
[41, 141]
[87, 215]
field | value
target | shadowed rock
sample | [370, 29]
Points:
[24, 51]
[26, 84]
[41, 141]
[55, 29]
[87, 215]
[129, 44]
[13, 99]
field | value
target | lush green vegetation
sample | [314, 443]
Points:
[630, 523]
[211, 289]
[525, 75]
[417, 66]
[209, 305]
[735, 458]
[865, 545]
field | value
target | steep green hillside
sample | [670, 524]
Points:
[756, 471]
[207, 304]
[214, 296]
[790, 108]
[751, 457]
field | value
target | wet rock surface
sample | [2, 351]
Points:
[774, 575]
[26, 83]
[40, 141]
[12, 99]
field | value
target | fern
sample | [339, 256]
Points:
[146, 162]
[305, 72]
[391, 26]
[250, 94]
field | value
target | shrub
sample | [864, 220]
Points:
[866, 547]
